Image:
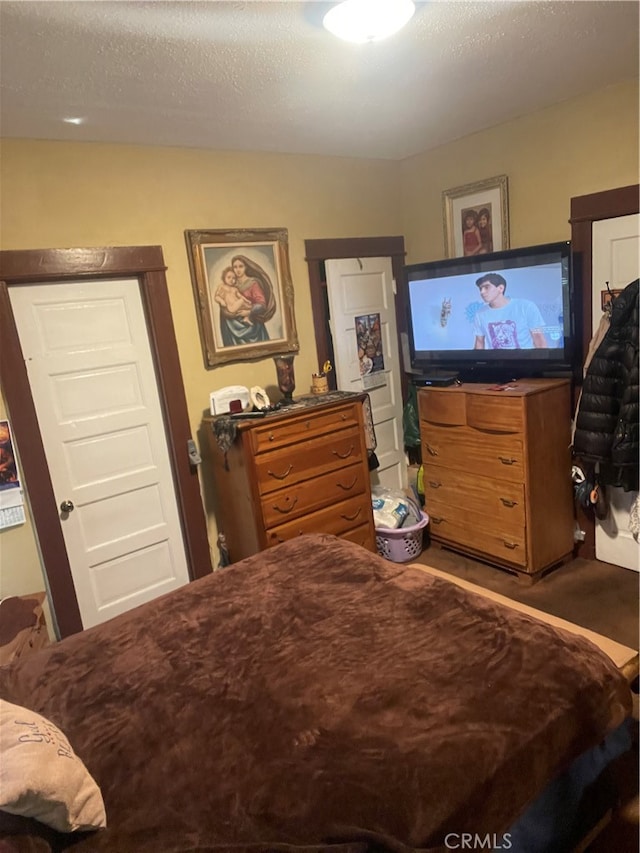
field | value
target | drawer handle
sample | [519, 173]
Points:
[280, 476]
[508, 502]
[345, 455]
[511, 545]
[506, 461]
[349, 487]
[352, 517]
[286, 509]
[431, 451]
[434, 485]
[271, 437]
[343, 416]
[308, 424]
[435, 519]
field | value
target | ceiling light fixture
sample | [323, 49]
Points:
[73, 120]
[361, 21]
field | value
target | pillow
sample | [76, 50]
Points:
[42, 777]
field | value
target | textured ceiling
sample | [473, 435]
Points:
[265, 76]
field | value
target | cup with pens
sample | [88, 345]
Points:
[319, 381]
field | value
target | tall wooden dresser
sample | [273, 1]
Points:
[497, 471]
[298, 470]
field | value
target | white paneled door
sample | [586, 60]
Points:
[615, 259]
[93, 383]
[361, 288]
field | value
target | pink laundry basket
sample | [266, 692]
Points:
[401, 545]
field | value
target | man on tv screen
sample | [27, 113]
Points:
[505, 323]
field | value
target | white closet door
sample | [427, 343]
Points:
[93, 382]
[365, 288]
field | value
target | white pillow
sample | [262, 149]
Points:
[41, 776]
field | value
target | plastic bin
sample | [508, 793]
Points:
[403, 544]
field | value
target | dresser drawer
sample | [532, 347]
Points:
[499, 413]
[311, 495]
[440, 407]
[308, 459]
[363, 535]
[310, 424]
[337, 519]
[496, 455]
[480, 534]
[446, 488]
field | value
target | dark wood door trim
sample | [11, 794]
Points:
[145, 264]
[353, 247]
[585, 210]
[607, 204]
[42, 265]
[24, 422]
[318, 251]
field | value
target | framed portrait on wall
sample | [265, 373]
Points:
[244, 294]
[476, 218]
[607, 296]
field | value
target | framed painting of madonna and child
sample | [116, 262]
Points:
[244, 294]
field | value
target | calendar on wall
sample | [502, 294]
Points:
[11, 496]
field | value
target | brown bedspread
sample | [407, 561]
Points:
[318, 695]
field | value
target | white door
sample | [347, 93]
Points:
[364, 288]
[615, 259]
[93, 383]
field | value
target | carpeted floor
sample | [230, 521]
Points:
[598, 596]
[595, 595]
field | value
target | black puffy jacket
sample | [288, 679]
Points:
[607, 420]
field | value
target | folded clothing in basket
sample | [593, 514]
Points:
[393, 508]
[389, 512]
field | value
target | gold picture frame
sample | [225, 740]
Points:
[607, 297]
[476, 218]
[244, 293]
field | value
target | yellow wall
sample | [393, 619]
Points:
[61, 194]
[578, 147]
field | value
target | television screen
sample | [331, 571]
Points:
[508, 311]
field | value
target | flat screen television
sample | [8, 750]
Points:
[518, 322]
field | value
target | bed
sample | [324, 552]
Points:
[317, 697]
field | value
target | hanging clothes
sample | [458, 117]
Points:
[607, 433]
[596, 340]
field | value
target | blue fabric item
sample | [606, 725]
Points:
[547, 825]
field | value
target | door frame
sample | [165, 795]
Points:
[585, 210]
[145, 266]
[317, 252]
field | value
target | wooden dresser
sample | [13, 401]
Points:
[497, 471]
[299, 470]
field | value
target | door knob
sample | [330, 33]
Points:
[67, 506]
